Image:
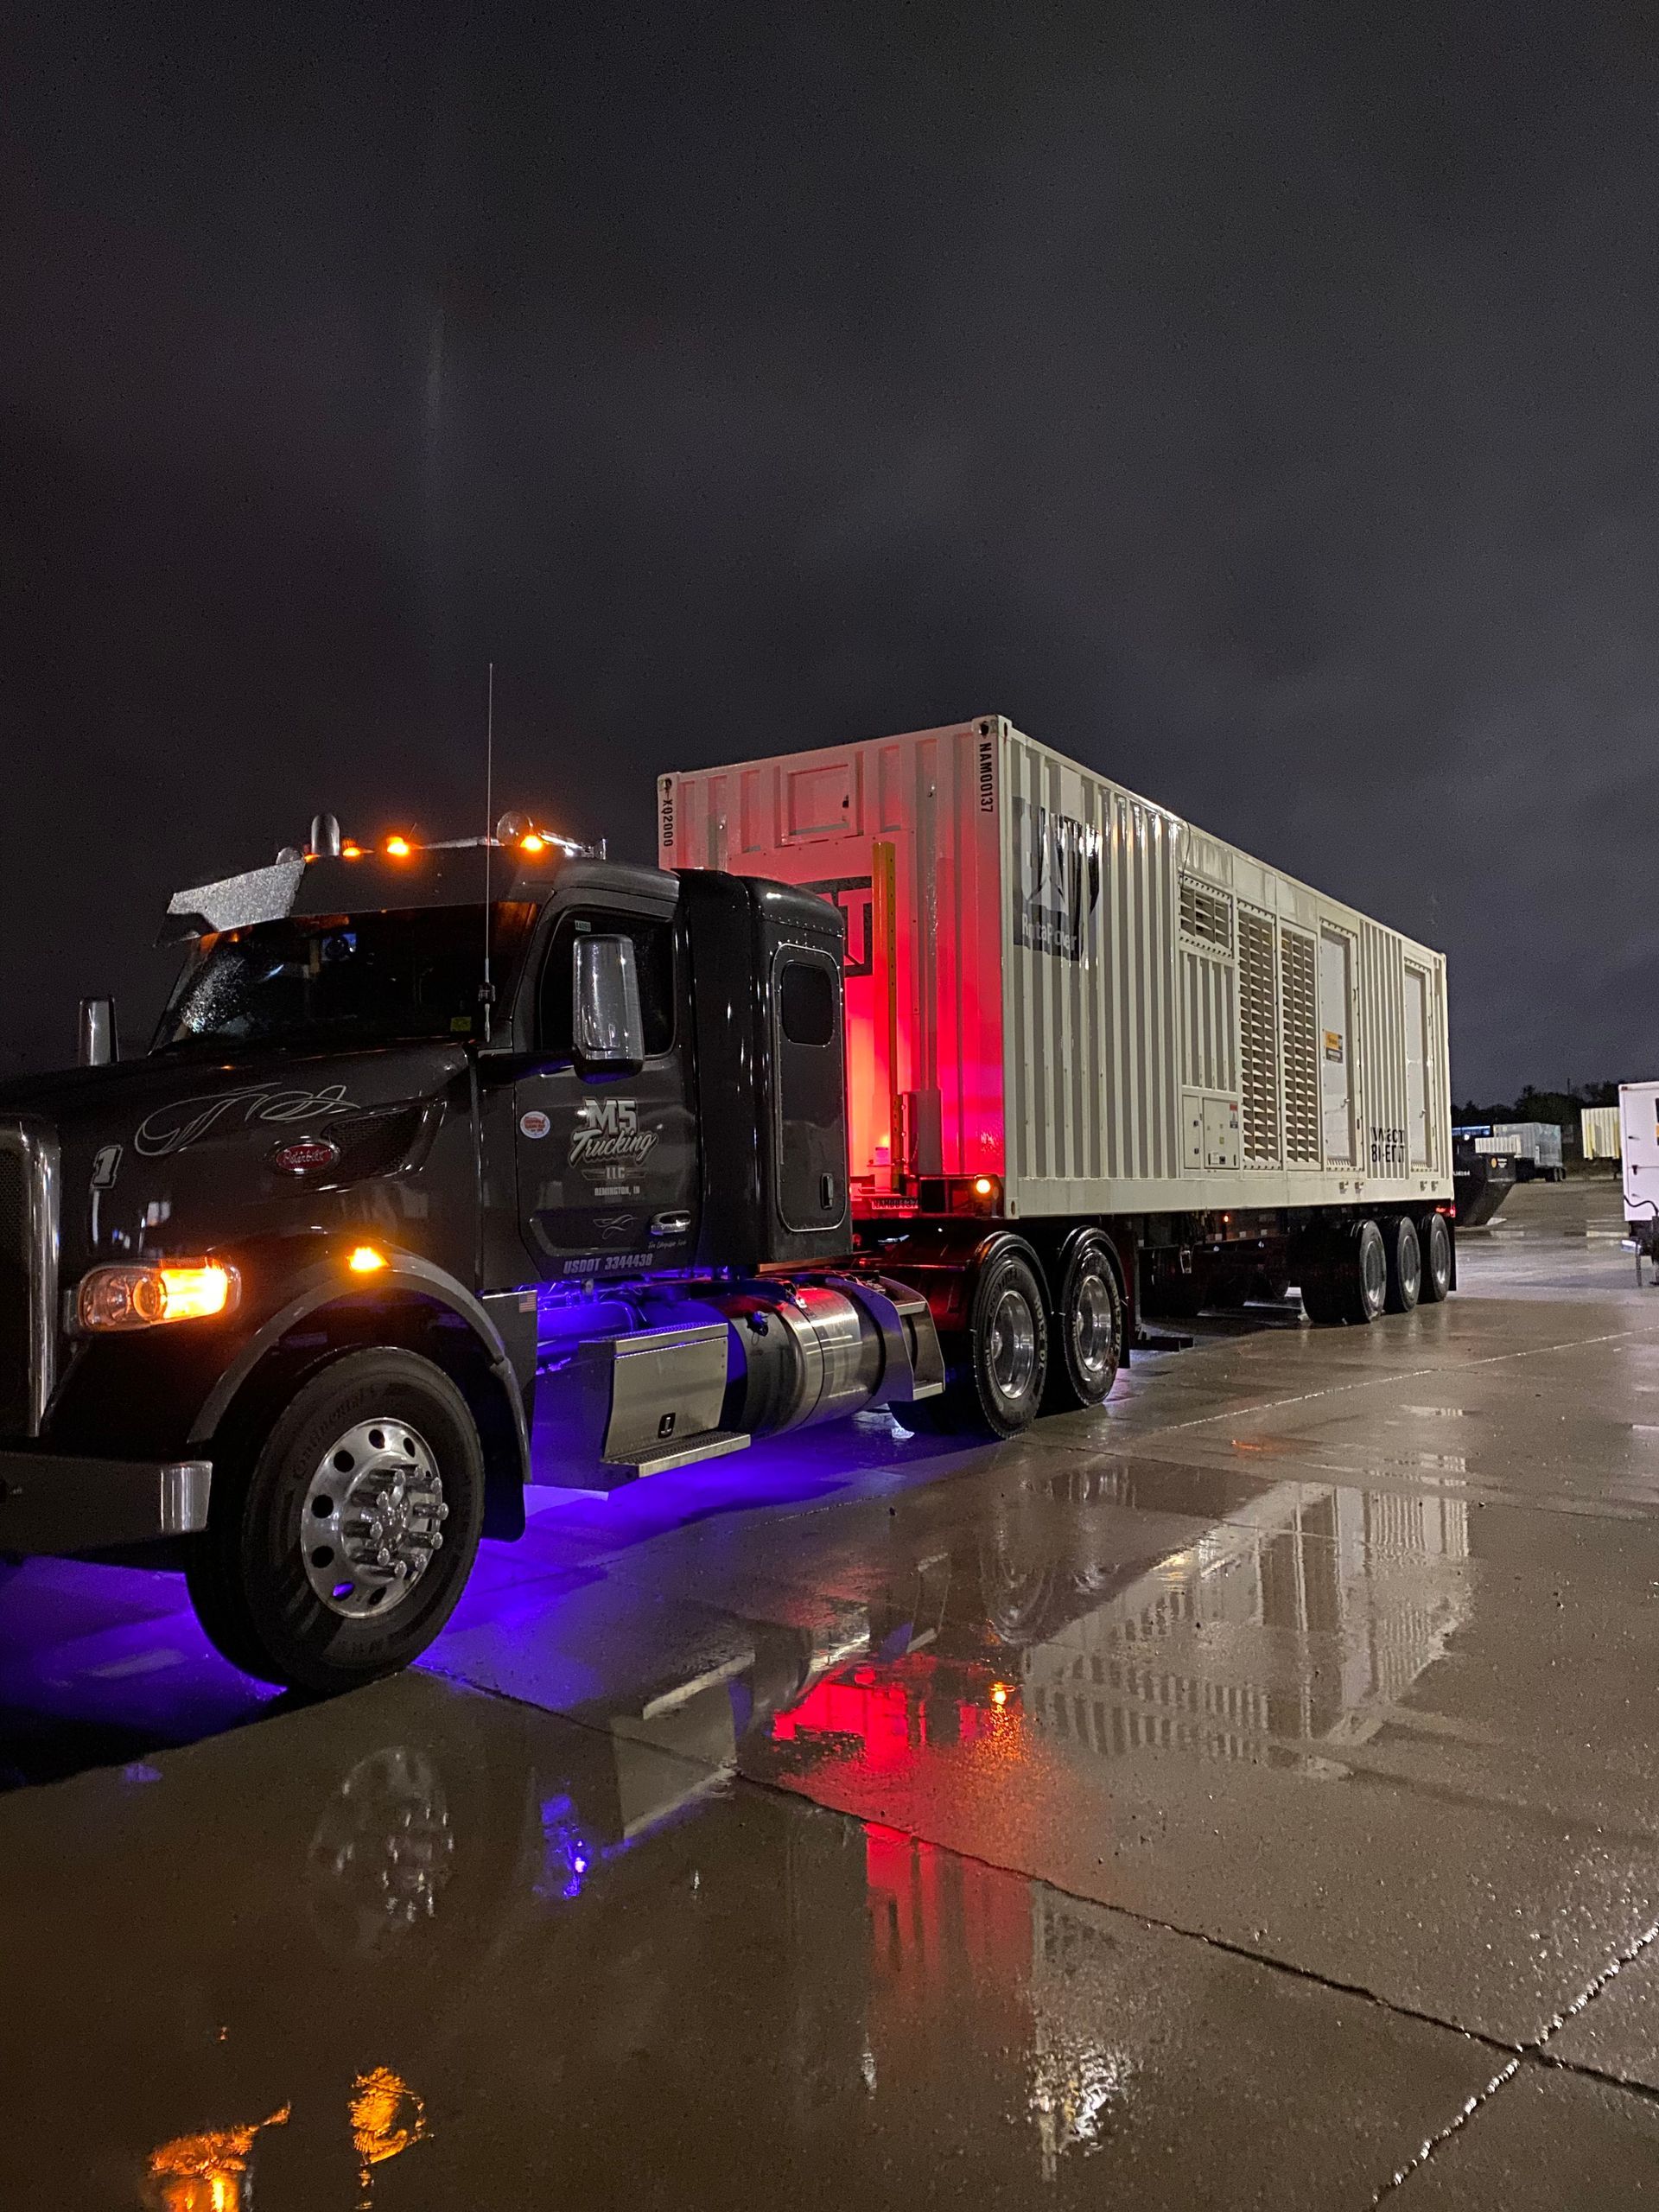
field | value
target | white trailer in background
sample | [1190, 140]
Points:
[1599, 1132]
[1638, 1134]
[1069, 1009]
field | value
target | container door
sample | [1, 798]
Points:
[1417, 1067]
[1336, 1043]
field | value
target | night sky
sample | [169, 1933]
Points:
[1256, 402]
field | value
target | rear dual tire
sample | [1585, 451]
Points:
[1086, 1342]
[997, 1368]
[1347, 1278]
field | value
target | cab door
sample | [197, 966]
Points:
[608, 1169]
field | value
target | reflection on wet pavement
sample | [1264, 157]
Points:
[1215, 1796]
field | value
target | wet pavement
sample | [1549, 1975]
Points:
[1244, 1795]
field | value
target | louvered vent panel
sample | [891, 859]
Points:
[1296, 990]
[1207, 915]
[1207, 1007]
[1258, 1038]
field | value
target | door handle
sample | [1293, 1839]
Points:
[673, 1224]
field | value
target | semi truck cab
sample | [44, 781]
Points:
[446, 1166]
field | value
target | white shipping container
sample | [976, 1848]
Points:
[1055, 981]
[1599, 1132]
[1638, 1121]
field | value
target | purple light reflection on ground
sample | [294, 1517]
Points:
[101, 1664]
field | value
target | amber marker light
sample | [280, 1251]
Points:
[349, 851]
[398, 849]
[532, 843]
[365, 1259]
[112, 1299]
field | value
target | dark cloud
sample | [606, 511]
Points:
[1256, 402]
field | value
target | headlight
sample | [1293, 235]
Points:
[168, 1290]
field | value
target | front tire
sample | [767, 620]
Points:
[995, 1371]
[1088, 1342]
[336, 1547]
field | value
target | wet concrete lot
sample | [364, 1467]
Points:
[1241, 1796]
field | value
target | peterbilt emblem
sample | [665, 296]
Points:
[306, 1158]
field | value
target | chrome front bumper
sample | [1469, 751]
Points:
[50, 1503]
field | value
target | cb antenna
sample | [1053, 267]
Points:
[487, 993]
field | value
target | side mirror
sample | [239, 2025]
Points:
[97, 1044]
[608, 1028]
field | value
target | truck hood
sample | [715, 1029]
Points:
[177, 1154]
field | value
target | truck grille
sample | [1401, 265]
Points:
[29, 1274]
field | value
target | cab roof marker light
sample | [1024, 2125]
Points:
[365, 1259]
[399, 847]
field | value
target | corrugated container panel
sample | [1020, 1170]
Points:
[1382, 1051]
[1060, 960]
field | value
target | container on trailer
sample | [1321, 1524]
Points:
[1065, 990]
[1536, 1146]
[1599, 1132]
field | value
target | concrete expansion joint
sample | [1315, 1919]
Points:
[1535, 2053]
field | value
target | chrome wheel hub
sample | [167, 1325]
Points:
[1091, 1326]
[1013, 1345]
[370, 1519]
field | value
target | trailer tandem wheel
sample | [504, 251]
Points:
[1435, 1239]
[1405, 1263]
[1347, 1278]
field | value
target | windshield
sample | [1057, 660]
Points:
[346, 978]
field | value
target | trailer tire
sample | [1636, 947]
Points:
[996, 1368]
[1405, 1264]
[1348, 1279]
[286, 1581]
[1436, 1241]
[1087, 1343]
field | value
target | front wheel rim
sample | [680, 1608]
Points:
[370, 1519]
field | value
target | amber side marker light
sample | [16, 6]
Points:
[532, 843]
[367, 1261]
[398, 849]
[140, 1298]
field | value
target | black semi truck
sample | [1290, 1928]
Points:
[295, 1300]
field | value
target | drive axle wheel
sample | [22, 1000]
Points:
[1089, 1326]
[996, 1370]
[335, 1550]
